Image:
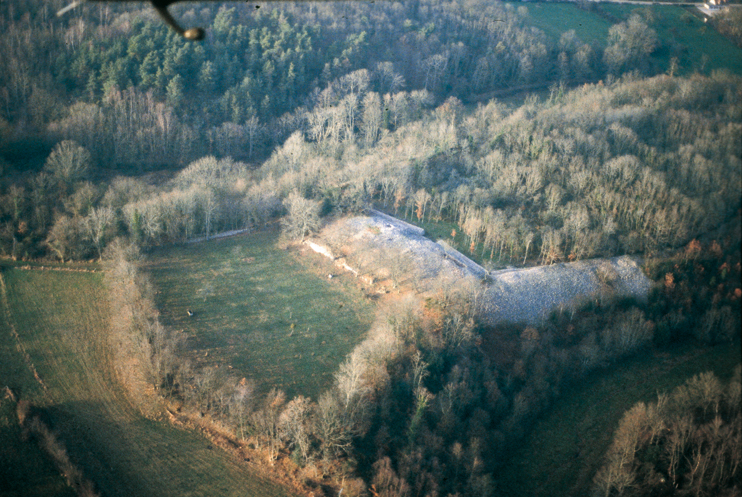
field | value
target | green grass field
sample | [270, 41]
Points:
[698, 47]
[694, 40]
[269, 313]
[554, 19]
[25, 470]
[61, 320]
[565, 449]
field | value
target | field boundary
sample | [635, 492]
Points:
[18, 344]
[242, 450]
[223, 234]
[28, 267]
[49, 443]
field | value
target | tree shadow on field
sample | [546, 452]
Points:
[102, 448]
[25, 470]
[125, 454]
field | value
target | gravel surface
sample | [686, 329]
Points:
[394, 254]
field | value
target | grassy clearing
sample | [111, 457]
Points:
[61, 320]
[269, 313]
[566, 448]
[554, 19]
[699, 47]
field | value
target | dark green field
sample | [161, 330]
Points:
[560, 456]
[61, 320]
[554, 19]
[699, 47]
[270, 314]
[683, 34]
[25, 470]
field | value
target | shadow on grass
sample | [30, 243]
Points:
[564, 450]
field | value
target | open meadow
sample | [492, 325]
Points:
[61, 324]
[263, 312]
[564, 450]
[681, 30]
[697, 46]
[554, 19]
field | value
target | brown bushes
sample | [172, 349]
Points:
[144, 351]
[687, 443]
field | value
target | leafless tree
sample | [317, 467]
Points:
[295, 425]
[371, 118]
[68, 162]
[302, 218]
[242, 404]
[387, 78]
[66, 237]
[266, 422]
[334, 428]
[253, 129]
[97, 223]
[386, 483]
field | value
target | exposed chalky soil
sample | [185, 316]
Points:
[394, 254]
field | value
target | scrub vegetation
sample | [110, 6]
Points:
[120, 142]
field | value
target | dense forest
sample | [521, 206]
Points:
[370, 126]
[116, 136]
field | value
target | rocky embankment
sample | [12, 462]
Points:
[390, 255]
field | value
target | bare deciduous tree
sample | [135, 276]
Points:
[68, 162]
[302, 218]
[295, 425]
[97, 223]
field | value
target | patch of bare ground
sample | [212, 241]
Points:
[389, 255]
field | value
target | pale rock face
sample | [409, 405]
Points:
[530, 295]
[381, 248]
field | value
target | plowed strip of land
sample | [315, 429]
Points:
[61, 321]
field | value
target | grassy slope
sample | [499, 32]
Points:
[554, 19]
[565, 449]
[25, 470]
[677, 26]
[61, 320]
[246, 293]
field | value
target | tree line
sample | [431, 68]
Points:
[685, 443]
[133, 86]
[639, 166]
